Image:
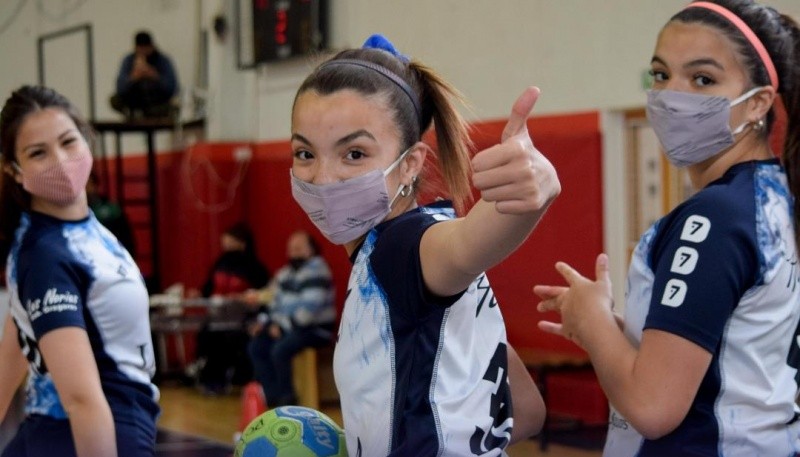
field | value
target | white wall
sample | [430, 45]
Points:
[583, 54]
[173, 23]
[114, 22]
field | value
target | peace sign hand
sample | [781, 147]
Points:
[581, 304]
[514, 174]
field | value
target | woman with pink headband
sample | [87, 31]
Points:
[704, 361]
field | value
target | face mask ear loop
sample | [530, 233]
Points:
[397, 162]
[746, 95]
[402, 190]
[740, 129]
[740, 99]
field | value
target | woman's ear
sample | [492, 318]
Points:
[12, 170]
[760, 104]
[414, 162]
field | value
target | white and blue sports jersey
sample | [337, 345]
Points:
[418, 374]
[76, 274]
[721, 270]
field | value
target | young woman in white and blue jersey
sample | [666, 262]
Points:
[79, 308]
[422, 363]
[705, 361]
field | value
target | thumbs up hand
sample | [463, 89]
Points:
[514, 174]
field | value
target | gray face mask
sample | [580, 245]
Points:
[693, 127]
[345, 210]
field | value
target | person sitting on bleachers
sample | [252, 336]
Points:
[300, 314]
[222, 355]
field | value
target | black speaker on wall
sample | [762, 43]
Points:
[288, 28]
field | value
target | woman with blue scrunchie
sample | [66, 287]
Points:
[422, 363]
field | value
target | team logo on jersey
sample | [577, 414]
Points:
[674, 293]
[696, 229]
[52, 302]
[684, 261]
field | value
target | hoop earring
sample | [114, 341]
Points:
[407, 189]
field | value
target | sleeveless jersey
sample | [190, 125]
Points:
[721, 270]
[418, 374]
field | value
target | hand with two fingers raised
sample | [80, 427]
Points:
[583, 303]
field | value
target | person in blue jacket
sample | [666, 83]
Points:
[146, 82]
[79, 307]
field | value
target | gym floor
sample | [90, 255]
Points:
[196, 425]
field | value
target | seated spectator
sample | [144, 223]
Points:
[146, 82]
[222, 355]
[300, 314]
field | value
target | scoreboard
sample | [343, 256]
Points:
[288, 28]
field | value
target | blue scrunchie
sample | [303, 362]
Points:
[378, 41]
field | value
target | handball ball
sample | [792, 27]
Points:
[292, 431]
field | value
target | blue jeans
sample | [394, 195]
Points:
[272, 360]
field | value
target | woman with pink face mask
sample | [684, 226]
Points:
[422, 363]
[705, 361]
[79, 307]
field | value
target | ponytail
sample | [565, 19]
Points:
[452, 132]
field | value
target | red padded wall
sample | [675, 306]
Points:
[572, 230]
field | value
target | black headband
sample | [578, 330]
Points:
[389, 75]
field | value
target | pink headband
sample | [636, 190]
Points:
[748, 33]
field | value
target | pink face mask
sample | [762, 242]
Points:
[345, 210]
[62, 182]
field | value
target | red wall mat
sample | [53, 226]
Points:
[572, 229]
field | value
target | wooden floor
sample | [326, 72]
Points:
[188, 411]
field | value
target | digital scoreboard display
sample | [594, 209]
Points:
[288, 28]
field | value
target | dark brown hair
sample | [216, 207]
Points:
[780, 36]
[22, 102]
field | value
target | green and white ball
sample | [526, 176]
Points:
[292, 431]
